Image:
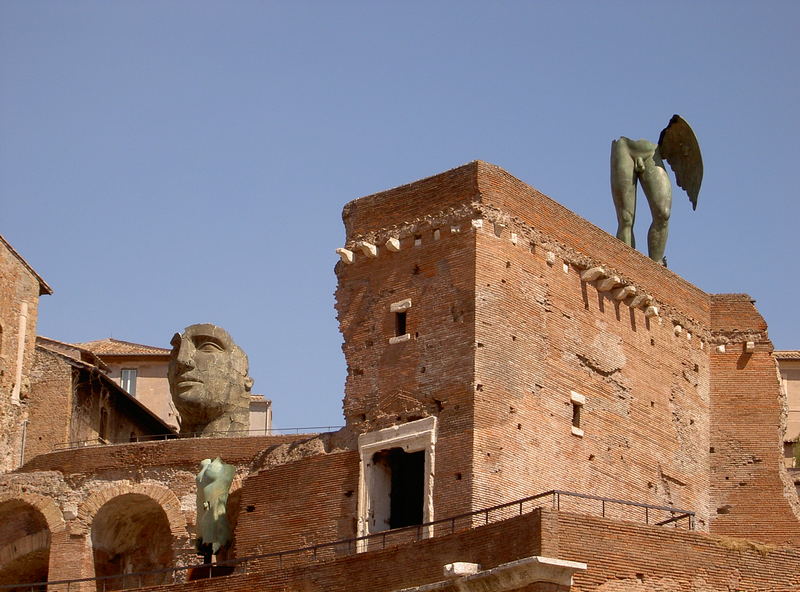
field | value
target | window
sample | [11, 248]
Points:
[400, 310]
[578, 401]
[127, 380]
[399, 324]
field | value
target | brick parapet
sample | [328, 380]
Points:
[620, 556]
[176, 452]
[482, 190]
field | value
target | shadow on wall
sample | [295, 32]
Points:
[131, 533]
[24, 543]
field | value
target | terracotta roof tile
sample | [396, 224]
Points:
[787, 354]
[116, 347]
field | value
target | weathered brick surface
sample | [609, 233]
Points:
[747, 407]
[393, 568]
[181, 452]
[629, 557]
[542, 333]
[299, 504]
[621, 556]
[50, 405]
[18, 285]
[432, 373]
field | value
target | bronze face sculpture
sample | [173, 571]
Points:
[209, 382]
[640, 161]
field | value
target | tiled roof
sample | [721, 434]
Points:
[43, 287]
[787, 354]
[71, 350]
[115, 347]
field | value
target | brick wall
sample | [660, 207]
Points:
[624, 557]
[391, 569]
[17, 285]
[541, 333]
[299, 504]
[521, 202]
[182, 452]
[747, 406]
[430, 374]
[621, 557]
[49, 405]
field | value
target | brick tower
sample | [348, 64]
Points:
[552, 355]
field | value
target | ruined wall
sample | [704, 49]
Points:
[430, 373]
[165, 454]
[394, 569]
[747, 406]
[319, 506]
[625, 557]
[543, 333]
[50, 403]
[539, 332]
[621, 557]
[117, 507]
[18, 286]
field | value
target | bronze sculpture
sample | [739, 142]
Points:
[209, 382]
[213, 528]
[640, 161]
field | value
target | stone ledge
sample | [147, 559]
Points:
[509, 576]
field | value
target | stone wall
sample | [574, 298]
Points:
[90, 496]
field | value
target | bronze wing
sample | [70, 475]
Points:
[678, 146]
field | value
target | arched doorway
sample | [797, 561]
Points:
[24, 544]
[130, 533]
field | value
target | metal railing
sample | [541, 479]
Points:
[566, 501]
[94, 442]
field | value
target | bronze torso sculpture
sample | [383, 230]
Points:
[640, 161]
[213, 528]
[209, 382]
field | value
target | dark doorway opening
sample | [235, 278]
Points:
[406, 472]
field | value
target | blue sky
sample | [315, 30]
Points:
[171, 162]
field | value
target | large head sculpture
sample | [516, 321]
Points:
[209, 381]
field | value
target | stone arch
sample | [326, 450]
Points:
[132, 528]
[49, 509]
[27, 523]
[158, 493]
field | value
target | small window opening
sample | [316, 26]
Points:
[577, 401]
[399, 323]
[404, 472]
[576, 415]
[127, 380]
